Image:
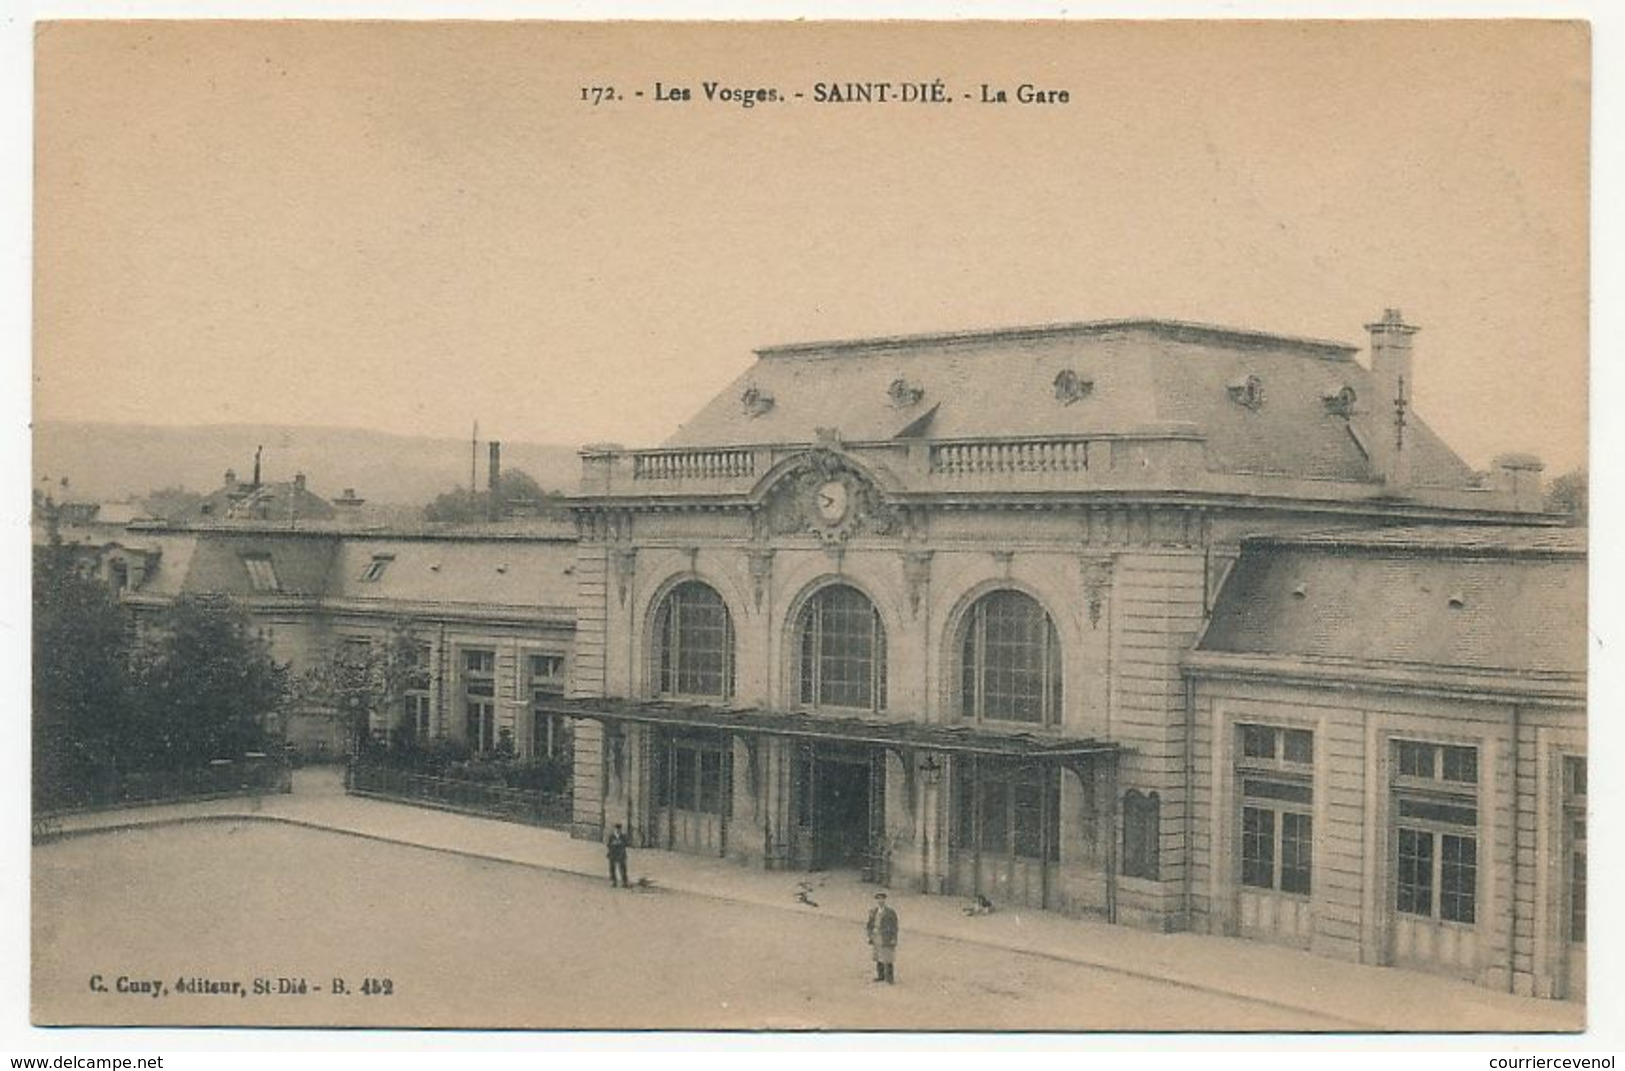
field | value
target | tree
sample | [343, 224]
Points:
[365, 685]
[205, 687]
[515, 485]
[81, 687]
[1570, 494]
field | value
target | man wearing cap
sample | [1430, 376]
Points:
[882, 932]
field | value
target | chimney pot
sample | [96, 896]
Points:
[1518, 476]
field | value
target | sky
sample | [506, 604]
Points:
[412, 227]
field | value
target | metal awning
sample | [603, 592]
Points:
[893, 734]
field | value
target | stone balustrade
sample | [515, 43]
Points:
[1012, 456]
[723, 464]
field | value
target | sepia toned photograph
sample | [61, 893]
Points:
[912, 526]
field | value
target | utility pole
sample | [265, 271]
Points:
[473, 459]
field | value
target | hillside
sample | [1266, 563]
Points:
[114, 461]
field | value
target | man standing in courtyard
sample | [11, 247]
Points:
[882, 931]
[617, 858]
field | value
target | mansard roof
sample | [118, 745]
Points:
[1482, 598]
[382, 573]
[530, 573]
[1105, 377]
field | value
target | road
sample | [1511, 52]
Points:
[469, 943]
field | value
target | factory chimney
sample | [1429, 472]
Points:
[494, 475]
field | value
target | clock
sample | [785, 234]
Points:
[831, 500]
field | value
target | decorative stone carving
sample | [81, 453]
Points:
[757, 402]
[626, 561]
[1247, 393]
[825, 495]
[902, 394]
[761, 571]
[1341, 403]
[1097, 583]
[1071, 387]
[917, 577]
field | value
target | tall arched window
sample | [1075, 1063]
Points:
[843, 651]
[1010, 661]
[695, 638]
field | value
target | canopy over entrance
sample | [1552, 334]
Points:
[897, 734]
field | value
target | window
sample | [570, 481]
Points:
[1013, 810]
[692, 775]
[261, 573]
[1142, 828]
[1275, 772]
[552, 734]
[695, 639]
[417, 711]
[1574, 818]
[375, 569]
[1436, 831]
[843, 651]
[479, 700]
[1010, 661]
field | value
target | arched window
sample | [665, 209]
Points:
[695, 638]
[843, 651]
[1010, 661]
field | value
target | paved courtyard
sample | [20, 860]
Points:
[477, 922]
[469, 943]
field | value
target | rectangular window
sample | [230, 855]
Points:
[710, 799]
[1460, 765]
[696, 778]
[1297, 852]
[261, 573]
[1415, 760]
[1019, 808]
[479, 699]
[480, 725]
[686, 779]
[1299, 746]
[1577, 895]
[995, 816]
[1257, 742]
[1436, 819]
[1415, 872]
[1458, 877]
[1574, 814]
[1277, 794]
[1258, 847]
[418, 715]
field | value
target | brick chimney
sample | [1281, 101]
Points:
[1388, 418]
[299, 481]
[231, 479]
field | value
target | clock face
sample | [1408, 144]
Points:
[831, 501]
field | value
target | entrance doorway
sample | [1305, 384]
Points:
[840, 805]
